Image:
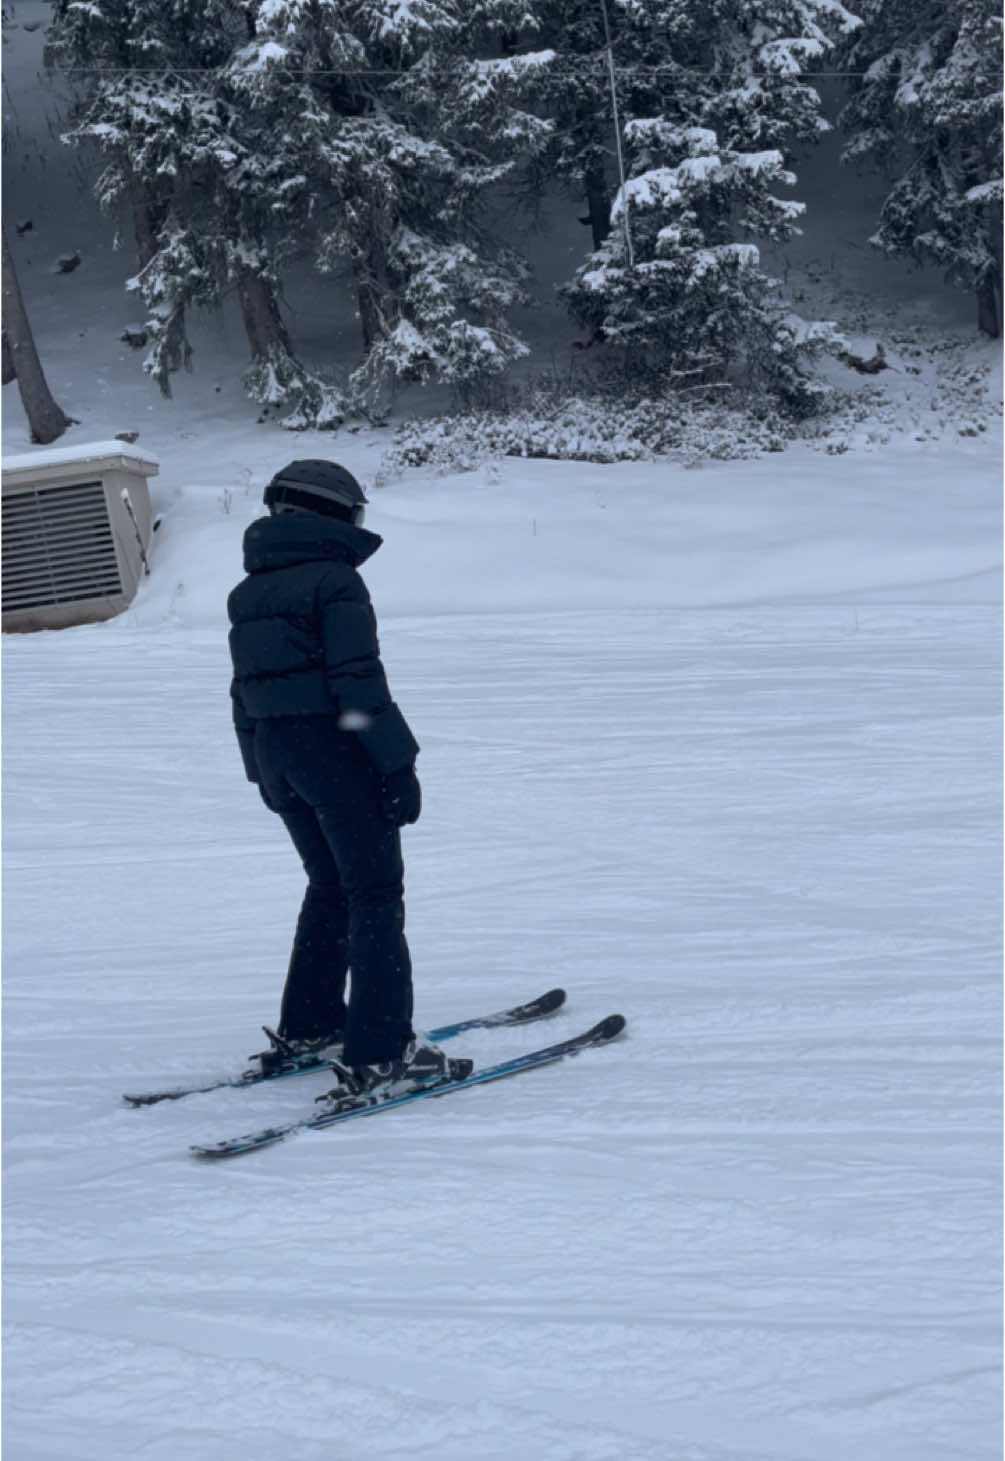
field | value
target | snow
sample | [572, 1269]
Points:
[91, 451]
[789, 208]
[769, 162]
[698, 170]
[791, 55]
[711, 261]
[718, 748]
[657, 187]
[985, 192]
[491, 72]
[255, 58]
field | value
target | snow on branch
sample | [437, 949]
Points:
[792, 55]
[991, 192]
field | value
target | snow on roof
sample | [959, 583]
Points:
[85, 452]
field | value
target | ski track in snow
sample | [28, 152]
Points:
[759, 1228]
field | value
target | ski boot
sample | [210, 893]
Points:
[288, 1054]
[421, 1064]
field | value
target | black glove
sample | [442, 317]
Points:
[401, 796]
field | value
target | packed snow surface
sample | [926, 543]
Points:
[717, 749]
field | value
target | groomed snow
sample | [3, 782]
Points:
[718, 749]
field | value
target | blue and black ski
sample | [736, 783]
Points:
[521, 1014]
[347, 1107]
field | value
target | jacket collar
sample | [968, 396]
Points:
[284, 541]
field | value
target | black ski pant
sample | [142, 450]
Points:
[321, 782]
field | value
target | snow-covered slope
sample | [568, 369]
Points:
[717, 748]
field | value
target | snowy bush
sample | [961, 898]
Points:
[606, 426]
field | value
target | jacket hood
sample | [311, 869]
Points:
[285, 541]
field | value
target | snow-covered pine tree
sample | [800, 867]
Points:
[391, 121]
[927, 106]
[132, 110]
[447, 287]
[716, 95]
[95, 44]
[274, 90]
[361, 136]
[154, 99]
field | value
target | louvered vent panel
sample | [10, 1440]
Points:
[57, 547]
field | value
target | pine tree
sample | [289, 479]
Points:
[447, 287]
[139, 102]
[928, 106]
[715, 95]
[158, 99]
[393, 133]
[359, 137]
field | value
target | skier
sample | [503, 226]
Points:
[332, 754]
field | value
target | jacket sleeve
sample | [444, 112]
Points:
[356, 679]
[245, 728]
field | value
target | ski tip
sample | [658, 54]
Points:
[610, 1028]
[553, 1000]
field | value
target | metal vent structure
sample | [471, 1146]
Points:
[75, 532]
[58, 547]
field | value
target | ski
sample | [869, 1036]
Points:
[521, 1014]
[368, 1105]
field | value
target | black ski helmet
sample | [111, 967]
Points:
[317, 486]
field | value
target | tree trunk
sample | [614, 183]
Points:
[148, 219]
[149, 216]
[262, 320]
[371, 318]
[275, 371]
[45, 419]
[598, 204]
[371, 276]
[989, 306]
[594, 175]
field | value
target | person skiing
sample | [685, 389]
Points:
[333, 756]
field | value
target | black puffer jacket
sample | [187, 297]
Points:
[303, 639]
